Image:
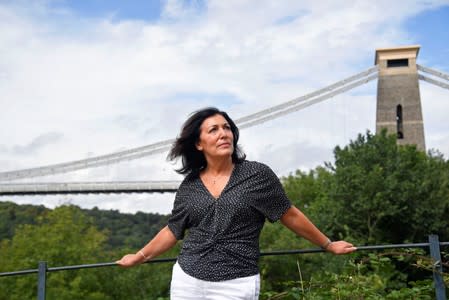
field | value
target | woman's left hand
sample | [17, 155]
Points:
[340, 247]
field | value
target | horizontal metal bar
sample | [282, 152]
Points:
[359, 248]
[109, 264]
[76, 267]
[22, 272]
[289, 252]
[269, 253]
[381, 247]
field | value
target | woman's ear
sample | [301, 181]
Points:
[198, 146]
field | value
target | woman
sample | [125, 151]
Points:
[223, 202]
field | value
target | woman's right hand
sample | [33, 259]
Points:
[130, 260]
[163, 241]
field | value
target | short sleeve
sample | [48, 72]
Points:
[269, 195]
[179, 219]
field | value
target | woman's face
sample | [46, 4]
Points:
[216, 137]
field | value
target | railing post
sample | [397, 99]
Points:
[42, 277]
[440, 289]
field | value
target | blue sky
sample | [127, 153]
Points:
[85, 78]
[120, 10]
[430, 29]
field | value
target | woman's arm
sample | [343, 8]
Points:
[297, 222]
[163, 241]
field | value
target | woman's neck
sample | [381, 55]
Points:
[222, 166]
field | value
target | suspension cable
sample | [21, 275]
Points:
[433, 72]
[433, 81]
[159, 147]
[309, 103]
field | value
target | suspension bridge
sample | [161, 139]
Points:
[9, 187]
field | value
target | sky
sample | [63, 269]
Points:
[83, 78]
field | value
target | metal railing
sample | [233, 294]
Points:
[433, 245]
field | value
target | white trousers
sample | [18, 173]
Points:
[186, 287]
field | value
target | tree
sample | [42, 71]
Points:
[383, 192]
[12, 215]
[64, 236]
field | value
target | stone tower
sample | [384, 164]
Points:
[398, 98]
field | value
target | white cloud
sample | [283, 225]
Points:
[106, 85]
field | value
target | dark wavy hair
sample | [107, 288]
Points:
[184, 146]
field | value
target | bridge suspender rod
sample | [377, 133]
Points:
[245, 122]
[295, 101]
[308, 103]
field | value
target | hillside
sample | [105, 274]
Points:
[124, 229]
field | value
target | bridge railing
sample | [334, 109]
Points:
[433, 244]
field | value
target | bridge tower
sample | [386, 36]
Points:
[398, 97]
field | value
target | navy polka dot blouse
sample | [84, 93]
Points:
[222, 239]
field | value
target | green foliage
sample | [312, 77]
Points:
[130, 230]
[12, 215]
[274, 269]
[375, 193]
[66, 227]
[384, 193]
[374, 277]
[64, 236]
[68, 236]
[304, 188]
